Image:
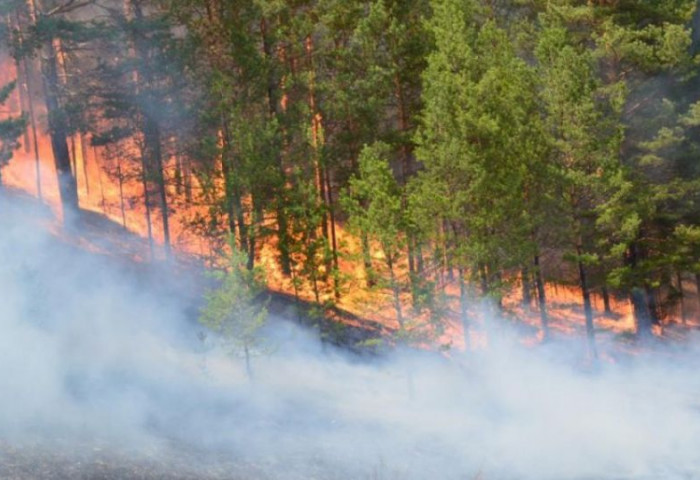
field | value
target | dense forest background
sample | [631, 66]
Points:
[440, 155]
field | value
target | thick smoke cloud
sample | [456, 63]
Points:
[93, 352]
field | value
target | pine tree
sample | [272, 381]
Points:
[480, 115]
[135, 92]
[11, 129]
[583, 121]
[638, 44]
[53, 29]
[374, 205]
[236, 309]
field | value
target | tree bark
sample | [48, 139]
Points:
[120, 178]
[526, 287]
[232, 194]
[641, 313]
[248, 366]
[154, 155]
[640, 304]
[464, 315]
[587, 308]
[367, 261]
[653, 305]
[334, 240]
[395, 291]
[606, 299]
[32, 125]
[484, 280]
[273, 100]
[316, 144]
[150, 128]
[541, 298]
[84, 158]
[681, 296]
[67, 185]
[147, 202]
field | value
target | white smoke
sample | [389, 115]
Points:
[92, 353]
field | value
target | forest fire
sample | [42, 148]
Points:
[287, 240]
[118, 386]
[114, 193]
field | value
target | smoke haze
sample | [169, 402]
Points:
[94, 353]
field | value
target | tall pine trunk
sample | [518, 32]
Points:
[32, 124]
[606, 299]
[147, 202]
[652, 304]
[541, 297]
[152, 143]
[367, 261]
[334, 239]
[464, 315]
[316, 145]
[120, 178]
[526, 287]
[396, 292]
[587, 307]
[232, 193]
[283, 240]
[681, 297]
[151, 131]
[640, 305]
[67, 185]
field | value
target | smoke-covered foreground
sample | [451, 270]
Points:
[102, 376]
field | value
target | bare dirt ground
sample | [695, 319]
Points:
[75, 461]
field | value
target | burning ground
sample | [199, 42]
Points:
[103, 375]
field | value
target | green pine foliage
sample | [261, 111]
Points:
[236, 310]
[469, 146]
[10, 130]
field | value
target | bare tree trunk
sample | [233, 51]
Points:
[367, 260]
[412, 274]
[73, 158]
[334, 241]
[30, 100]
[67, 185]
[464, 315]
[587, 308]
[248, 366]
[606, 299]
[152, 160]
[640, 305]
[32, 125]
[484, 280]
[84, 157]
[99, 178]
[541, 298]
[395, 291]
[120, 177]
[653, 305]
[147, 201]
[681, 296]
[641, 313]
[154, 157]
[526, 287]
